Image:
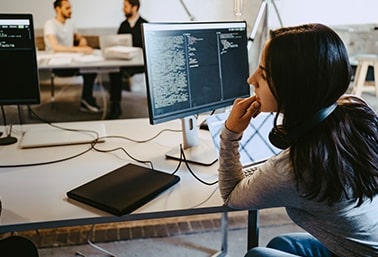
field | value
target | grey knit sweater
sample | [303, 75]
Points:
[344, 229]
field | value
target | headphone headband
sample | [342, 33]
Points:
[282, 139]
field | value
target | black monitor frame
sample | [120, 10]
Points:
[193, 68]
[19, 83]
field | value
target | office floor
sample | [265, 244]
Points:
[66, 105]
[184, 236]
[203, 242]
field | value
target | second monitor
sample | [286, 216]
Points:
[192, 68]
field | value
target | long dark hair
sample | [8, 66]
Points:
[308, 69]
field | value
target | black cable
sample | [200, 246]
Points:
[92, 144]
[135, 141]
[47, 162]
[182, 154]
[4, 117]
[125, 151]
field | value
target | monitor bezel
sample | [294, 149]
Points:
[203, 108]
[34, 97]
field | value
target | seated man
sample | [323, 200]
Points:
[60, 35]
[132, 25]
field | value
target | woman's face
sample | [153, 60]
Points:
[261, 88]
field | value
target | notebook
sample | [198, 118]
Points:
[123, 190]
[255, 146]
[46, 136]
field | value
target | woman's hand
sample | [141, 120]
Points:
[241, 114]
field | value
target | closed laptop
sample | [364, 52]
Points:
[124, 190]
[118, 46]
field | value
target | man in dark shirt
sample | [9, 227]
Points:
[131, 25]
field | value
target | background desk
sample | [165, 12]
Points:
[35, 196]
[93, 63]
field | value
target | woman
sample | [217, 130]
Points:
[327, 177]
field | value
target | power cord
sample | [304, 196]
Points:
[92, 144]
[90, 233]
[183, 159]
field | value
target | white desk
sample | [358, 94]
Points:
[34, 197]
[95, 61]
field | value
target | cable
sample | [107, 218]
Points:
[92, 145]
[135, 141]
[94, 245]
[47, 162]
[63, 128]
[145, 140]
[182, 154]
[207, 199]
[4, 117]
[125, 151]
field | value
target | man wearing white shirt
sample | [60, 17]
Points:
[60, 35]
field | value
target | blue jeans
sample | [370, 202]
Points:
[290, 245]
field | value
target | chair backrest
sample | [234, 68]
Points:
[93, 41]
[40, 43]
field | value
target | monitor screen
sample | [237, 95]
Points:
[192, 68]
[19, 83]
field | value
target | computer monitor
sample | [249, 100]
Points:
[19, 83]
[192, 68]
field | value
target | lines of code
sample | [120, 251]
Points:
[195, 70]
[14, 37]
[169, 71]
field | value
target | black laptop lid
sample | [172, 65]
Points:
[123, 190]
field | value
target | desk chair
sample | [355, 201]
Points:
[360, 83]
[65, 73]
[80, 73]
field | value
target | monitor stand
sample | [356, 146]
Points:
[195, 152]
[8, 139]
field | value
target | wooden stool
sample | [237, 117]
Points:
[360, 84]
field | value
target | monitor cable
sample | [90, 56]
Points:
[183, 158]
[8, 139]
[90, 148]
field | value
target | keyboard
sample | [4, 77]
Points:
[250, 169]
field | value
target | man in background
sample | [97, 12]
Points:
[60, 35]
[131, 25]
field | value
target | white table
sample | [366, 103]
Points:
[95, 61]
[91, 63]
[34, 197]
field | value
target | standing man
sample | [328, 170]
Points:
[131, 25]
[60, 35]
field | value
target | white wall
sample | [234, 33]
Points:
[108, 13]
[329, 12]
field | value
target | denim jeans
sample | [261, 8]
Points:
[290, 245]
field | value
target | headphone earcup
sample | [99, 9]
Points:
[279, 137]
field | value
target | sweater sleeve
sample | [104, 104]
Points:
[271, 185]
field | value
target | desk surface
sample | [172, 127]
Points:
[35, 196]
[47, 61]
